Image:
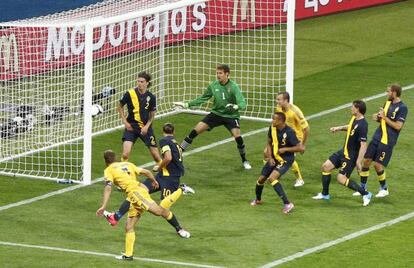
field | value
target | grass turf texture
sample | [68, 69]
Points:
[226, 230]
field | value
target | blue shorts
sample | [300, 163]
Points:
[132, 136]
[379, 152]
[282, 168]
[345, 166]
[168, 185]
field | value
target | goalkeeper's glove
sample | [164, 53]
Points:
[232, 107]
[180, 104]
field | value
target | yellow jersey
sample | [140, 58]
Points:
[124, 175]
[294, 119]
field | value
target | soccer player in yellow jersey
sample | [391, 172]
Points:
[295, 120]
[168, 178]
[123, 175]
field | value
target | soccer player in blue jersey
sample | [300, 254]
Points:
[281, 146]
[227, 102]
[171, 169]
[124, 175]
[391, 118]
[141, 105]
[349, 156]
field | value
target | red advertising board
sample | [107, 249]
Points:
[313, 8]
[26, 51]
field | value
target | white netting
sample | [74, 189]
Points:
[39, 109]
[180, 48]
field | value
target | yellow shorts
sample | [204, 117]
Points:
[140, 201]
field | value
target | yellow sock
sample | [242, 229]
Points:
[295, 168]
[169, 200]
[382, 177]
[170, 216]
[129, 243]
[364, 173]
[273, 183]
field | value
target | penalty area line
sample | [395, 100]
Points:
[86, 252]
[353, 235]
[194, 151]
[338, 241]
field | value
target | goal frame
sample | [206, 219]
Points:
[89, 26]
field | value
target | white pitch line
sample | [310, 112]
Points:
[41, 197]
[107, 255]
[338, 241]
[353, 235]
[197, 150]
[347, 105]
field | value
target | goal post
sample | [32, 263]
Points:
[62, 75]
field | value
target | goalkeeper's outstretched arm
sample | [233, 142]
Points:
[196, 102]
[180, 104]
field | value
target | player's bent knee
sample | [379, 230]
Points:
[201, 127]
[366, 162]
[378, 167]
[261, 180]
[325, 167]
[341, 179]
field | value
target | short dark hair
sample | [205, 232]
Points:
[146, 76]
[360, 105]
[109, 156]
[396, 88]
[281, 116]
[285, 95]
[168, 128]
[223, 67]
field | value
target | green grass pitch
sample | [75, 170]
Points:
[339, 58]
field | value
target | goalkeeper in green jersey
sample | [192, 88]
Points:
[228, 100]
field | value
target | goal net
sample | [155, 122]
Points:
[62, 75]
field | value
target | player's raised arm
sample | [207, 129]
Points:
[203, 98]
[196, 102]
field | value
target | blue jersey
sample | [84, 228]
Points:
[175, 168]
[139, 106]
[396, 112]
[356, 134]
[285, 138]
